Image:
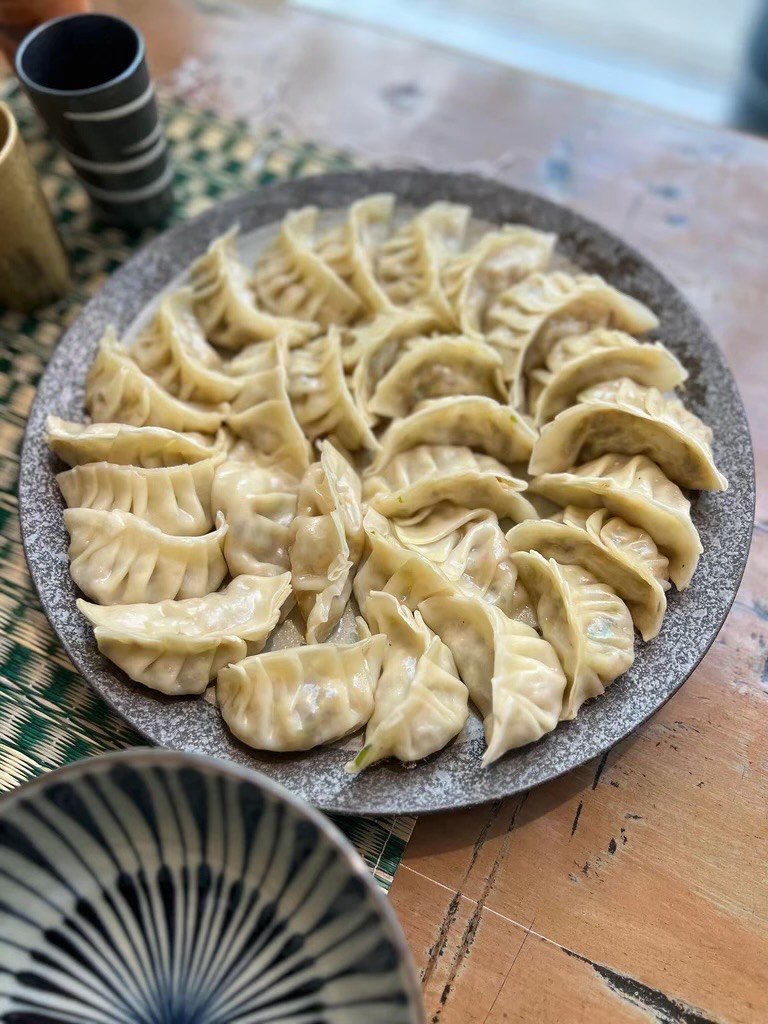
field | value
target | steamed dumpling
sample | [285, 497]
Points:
[409, 263]
[428, 474]
[321, 398]
[258, 501]
[467, 553]
[149, 447]
[176, 500]
[326, 541]
[586, 622]
[117, 390]
[436, 368]
[420, 704]
[178, 647]
[389, 566]
[350, 250]
[370, 350]
[174, 351]
[299, 698]
[473, 279]
[117, 558]
[623, 418]
[580, 361]
[614, 552]
[633, 487]
[226, 306]
[292, 280]
[263, 416]
[513, 675]
[475, 422]
[529, 317]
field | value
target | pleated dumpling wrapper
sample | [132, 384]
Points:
[513, 675]
[586, 622]
[420, 704]
[178, 647]
[302, 697]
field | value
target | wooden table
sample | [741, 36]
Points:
[635, 889]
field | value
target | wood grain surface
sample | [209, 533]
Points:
[635, 889]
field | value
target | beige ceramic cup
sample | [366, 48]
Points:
[33, 264]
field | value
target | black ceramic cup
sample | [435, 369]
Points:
[87, 77]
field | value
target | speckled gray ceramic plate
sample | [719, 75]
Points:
[454, 777]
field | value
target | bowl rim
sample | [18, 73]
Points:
[165, 758]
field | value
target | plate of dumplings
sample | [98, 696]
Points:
[409, 489]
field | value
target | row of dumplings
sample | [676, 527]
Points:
[394, 412]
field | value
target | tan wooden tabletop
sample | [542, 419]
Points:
[635, 889]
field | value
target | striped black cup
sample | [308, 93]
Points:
[87, 77]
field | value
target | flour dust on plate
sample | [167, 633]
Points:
[374, 419]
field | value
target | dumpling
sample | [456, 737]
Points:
[150, 447]
[374, 349]
[469, 549]
[176, 500]
[476, 422]
[320, 396]
[436, 368]
[586, 622]
[173, 350]
[428, 474]
[292, 280]
[620, 555]
[379, 339]
[474, 561]
[117, 390]
[177, 647]
[117, 558]
[298, 698]
[409, 263]
[474, 278]
[577, 362]
[436, 531]
[529, 317]
[513, 675]
[393, 568]
[633, 487]
[350, 250]
[226, 306]
[623, 418]
[262, 414]
[258, 502]
[420, 704]
[326, 541]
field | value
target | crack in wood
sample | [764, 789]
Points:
[470, 929]
[453, 907]
[662, 1009]
[600, 769]
[575, 824]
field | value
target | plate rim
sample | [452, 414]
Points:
[362, 182]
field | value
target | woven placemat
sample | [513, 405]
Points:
[48, 714]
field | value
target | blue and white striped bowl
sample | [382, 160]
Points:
[152, 887]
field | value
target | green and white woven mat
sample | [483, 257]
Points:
[48, 713]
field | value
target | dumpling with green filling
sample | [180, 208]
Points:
[419, 704]
[633, 487]
[586, 622]
[513, 675]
